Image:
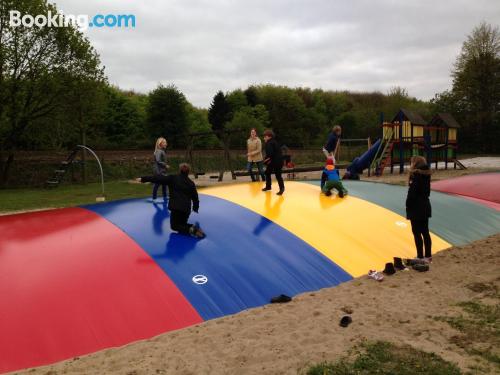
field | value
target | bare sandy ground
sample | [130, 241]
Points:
[287, 338]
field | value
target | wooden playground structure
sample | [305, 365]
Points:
[408, 134]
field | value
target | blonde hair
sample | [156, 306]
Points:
[336, 128]
[159, 142]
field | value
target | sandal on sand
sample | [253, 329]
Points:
[375, 275]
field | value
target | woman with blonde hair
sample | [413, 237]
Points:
[418, 206]
[160, 166]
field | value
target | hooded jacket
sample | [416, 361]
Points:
[418, 205]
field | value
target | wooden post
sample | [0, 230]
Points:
[189, 155]
[401, 144]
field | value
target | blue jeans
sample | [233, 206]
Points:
[259, 167]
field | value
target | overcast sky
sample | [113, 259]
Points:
[203, 46]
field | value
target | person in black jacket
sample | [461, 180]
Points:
[418, 205]
[182, 192]
[273, 162]
[332, 144]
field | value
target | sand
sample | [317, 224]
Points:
[287, 338]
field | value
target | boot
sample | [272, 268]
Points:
[398, 264]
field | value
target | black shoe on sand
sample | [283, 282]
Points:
[345, 321]
[389, 269]
[282, 298]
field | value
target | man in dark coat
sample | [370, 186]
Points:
[182, 193]
[273, 162]
[418, 205]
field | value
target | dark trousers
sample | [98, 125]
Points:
[270, 169]
[179, 221]
[420, 229]
[163, 190]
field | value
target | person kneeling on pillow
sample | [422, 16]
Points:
[330, 179]
[182, 191]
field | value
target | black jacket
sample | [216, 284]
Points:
[182, 191]
[332, 141]
[273, 153]
[418, 206]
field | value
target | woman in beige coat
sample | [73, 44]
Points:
[254, 155]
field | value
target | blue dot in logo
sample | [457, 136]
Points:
[91, 24]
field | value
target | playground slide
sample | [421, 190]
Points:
[361, 163]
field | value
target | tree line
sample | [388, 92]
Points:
[54, 94]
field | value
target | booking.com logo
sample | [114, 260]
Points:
[82, 21]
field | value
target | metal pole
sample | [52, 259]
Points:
[98, 162]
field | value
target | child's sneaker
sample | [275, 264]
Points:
[341, 194]
[328, 193]
[372, 274]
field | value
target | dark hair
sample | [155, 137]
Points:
[268, 133]
[184, 168]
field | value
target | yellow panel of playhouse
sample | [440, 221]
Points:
[355, 234]
[406, 129]
[396, 132]
[452, 134]
[418, 131]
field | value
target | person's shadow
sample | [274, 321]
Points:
[159, 217]
[328, 202]
[178, 245]
[271, 212]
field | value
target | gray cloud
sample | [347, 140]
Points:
[205, 46]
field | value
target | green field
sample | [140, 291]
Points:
[68, 195]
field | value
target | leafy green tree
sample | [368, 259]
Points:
[245, 119]
[122, 122]
[236, 100]
[198, 123]
[167, 115]
[476, 87]
[37, 65]
[251, 95]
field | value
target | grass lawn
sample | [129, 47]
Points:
[68, 195]
[385, 358]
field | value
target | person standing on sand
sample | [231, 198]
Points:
[418, 206]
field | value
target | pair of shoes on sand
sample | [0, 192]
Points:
[396, 265]
[390, 269]
[196, 231]
[419, 264]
